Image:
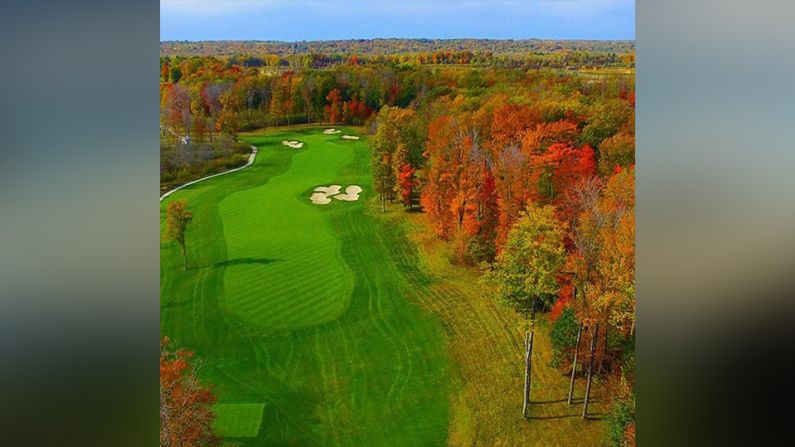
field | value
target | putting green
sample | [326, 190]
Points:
[310, 310]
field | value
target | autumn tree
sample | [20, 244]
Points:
[604, 256]
[616, 262]
[185, 405]
[407, 182]
[282, 98]
[229, 117]
[509, 124]
[539, 139]
[482, 221]
[165, 71]
[177, 219]
[525, 272]
[176, 109]
[212, 105]
[397, 142]
[607, 118]
[334, 108]
[559, 168]
[513, 185]
[618, 150]
[453, 151]
[306, 87]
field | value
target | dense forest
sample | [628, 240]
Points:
[527, 172]
[532, 53]
[390, 46]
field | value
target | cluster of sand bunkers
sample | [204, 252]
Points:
[332, 131]
[323, 194]
[298, 145]
[293, 144]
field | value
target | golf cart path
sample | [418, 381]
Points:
[249, 163]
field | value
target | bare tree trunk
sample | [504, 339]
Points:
[574, 364]
[604, 351]
[185, 256]
[590, 372]
[527, 371]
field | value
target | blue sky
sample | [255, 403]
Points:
[359, 19]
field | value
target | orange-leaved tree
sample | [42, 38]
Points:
[407, 183]
[185, 405]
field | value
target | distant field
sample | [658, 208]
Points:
[305, 308]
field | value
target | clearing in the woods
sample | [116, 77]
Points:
[340, 325]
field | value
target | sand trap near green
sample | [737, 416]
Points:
[304, 280]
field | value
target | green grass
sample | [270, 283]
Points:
[485, 339]
[237, 420]
[284, 266]
[349, 325]
[310, 310]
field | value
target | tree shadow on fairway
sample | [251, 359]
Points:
[589, 417]
[595, 416]
[242, 261]
[563, 416]
[537, 402]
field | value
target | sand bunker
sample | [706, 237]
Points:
[320, 198]
[331, 131]
[329, 190]
[323, 194]
[293, 144]
[349, 137]
[351, 194]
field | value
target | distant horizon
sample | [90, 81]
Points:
[317, 20]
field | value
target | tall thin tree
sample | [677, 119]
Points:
[525, 272]
[574, 363]
[594, 336]
[177, 219]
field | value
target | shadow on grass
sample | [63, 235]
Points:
[237, 261]
[595, 416]
[590, 416]
[574, 401]
[563, 416]
[550, 401]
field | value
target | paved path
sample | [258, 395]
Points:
[249, 163]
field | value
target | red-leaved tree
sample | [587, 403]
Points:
[407, 183]
[185, 405]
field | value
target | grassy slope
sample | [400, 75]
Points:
[279, 242]
[376, 375]
[364, 365]
[485, 338]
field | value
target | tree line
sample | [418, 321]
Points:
[390, 46]
[531, 177]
